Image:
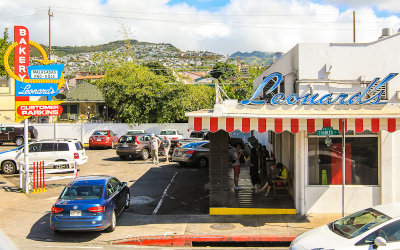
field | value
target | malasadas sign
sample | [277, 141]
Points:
[316, 99]
[39, 110]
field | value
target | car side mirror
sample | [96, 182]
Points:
[124, 184]
[380, 242]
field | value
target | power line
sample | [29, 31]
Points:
[211, 23]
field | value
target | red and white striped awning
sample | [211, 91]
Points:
[278, 125]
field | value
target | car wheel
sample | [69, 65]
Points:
[123, 157]
[111, 228]
[8, 167]
[57, 231]
[128, 200]
[203, 162]
[90, 147]
[19, 141]
[145, 154]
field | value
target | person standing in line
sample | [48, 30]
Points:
[254, 168]
[155, 143]
[167, 146]
[237, 154]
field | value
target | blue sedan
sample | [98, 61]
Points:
[90, 203]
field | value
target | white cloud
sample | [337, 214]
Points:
[266, 25]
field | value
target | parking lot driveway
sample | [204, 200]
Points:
[171, 189]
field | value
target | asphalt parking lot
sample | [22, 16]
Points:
[163, 189]
[155, 189]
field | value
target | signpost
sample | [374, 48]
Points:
[37, 80]
[326, 131]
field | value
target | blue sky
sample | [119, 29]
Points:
[209, 5]
[222, 26]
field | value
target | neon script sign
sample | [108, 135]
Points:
[328, 99]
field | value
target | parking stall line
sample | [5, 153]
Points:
[164, 194]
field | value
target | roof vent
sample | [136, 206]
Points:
[386, 32]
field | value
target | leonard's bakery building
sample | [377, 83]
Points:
[333, 87]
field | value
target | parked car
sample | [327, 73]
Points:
[15, 134]
[195, 154]
[134, 146]
[172, 134]
[103, 139]
[372, 228]
[136, 132]
[90, 203]
[46, 150]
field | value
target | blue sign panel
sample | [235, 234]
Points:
[35, 89]
[45, 72]
[315, 99]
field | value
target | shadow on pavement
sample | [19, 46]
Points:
[40, 231]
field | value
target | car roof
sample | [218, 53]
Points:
[391, 209]
[91, 179]
[57, 140]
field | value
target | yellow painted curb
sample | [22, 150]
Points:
[250, 211]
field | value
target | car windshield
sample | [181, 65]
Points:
[100, 133]
[82, 192]
[168, 132]
[194, 144]
[135, 132]
[127, 139]
[358, 223]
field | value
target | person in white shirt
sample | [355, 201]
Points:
[155, 143]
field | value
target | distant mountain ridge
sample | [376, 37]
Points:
[111, 46]
[255, 57]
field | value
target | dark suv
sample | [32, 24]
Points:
[16, 134]
[134, 146]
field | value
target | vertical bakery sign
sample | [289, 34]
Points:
[33, 81]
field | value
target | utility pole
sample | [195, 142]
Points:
[354, 26]
[50, 16]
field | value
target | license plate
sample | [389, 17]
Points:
[98, 139]
[75, 213]
[125, 145]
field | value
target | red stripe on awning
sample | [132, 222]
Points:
[278, 125]
[375, 125]
[310, 125]
[326, 123]
[246, 125]
[230, 124]
[341, 127]
[198, 126]
[262, 125]
[359, 123]
[214, 124]
[294, 125]
[392, 124]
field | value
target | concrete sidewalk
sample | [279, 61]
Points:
[183, 230]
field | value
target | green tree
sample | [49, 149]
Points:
[3, 47]
[242, 88]
[140, 96]
[159, 69]
[224, 71]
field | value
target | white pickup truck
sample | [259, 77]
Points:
[172, 134]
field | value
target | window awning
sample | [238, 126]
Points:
[263, 118]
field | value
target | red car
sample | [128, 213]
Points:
[103, 138]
